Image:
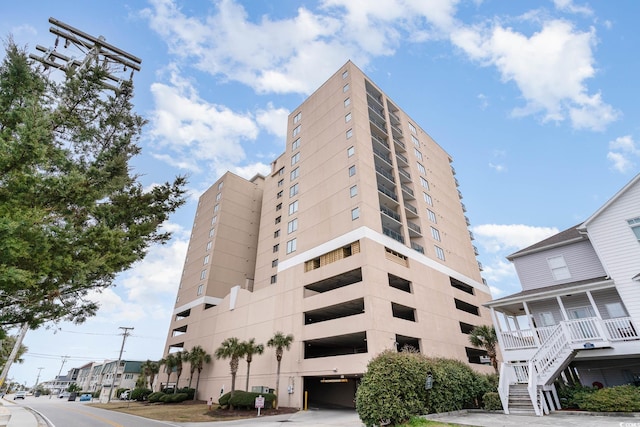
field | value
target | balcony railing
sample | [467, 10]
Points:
[411, 208]
[404, 174]
[403, 158]
[379, 123]
[388, 212]
[400, 143]
[376, 98]
[382, 155]
[386, 174]
[417, 247]
[387, 192]
[380, 140]
[580, 330]
[393, 234]
[407, 190]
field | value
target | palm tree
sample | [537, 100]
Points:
[484, 336]
[232, 349]
[280, 342]
[169, 363]
[150, 369]
[197, 357]
[251, 348]
[179, 358]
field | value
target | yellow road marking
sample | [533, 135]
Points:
[112, 423]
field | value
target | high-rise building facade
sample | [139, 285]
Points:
[356, 242]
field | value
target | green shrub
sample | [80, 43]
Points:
[624, 398]
[173, 398]
[155, 397]
[223, 401]
[245, 400]
[189, 392]
[491, 401]
[572, 396]
[140, 394]
[393, 388]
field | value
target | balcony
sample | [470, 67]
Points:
[415, 228]
[416, 247]
[396, 130]
[382, 156]
[390, 194]
[408, 192]
[394, 235]
[380, 141]
[380, 124]
[402, 159]
[376, 98]
[411, 210]
[400, 144]
[390, 213]
[385, 174]
[404, 175]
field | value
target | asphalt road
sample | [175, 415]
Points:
[62, 413]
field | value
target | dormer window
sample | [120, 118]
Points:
[559, 268]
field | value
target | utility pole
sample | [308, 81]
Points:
[96, 51]
[64, 360]
[37, 379]
[125, 334]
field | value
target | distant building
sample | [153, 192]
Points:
[578, 314]
[356, 242]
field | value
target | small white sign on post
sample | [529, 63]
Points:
[259, 403]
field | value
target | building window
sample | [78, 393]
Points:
[352, 171]
[432, 216]
[347, 102]
[297, 117]
[345, 88]
[278, 207]
[203, 274]
[355, 213]
[439, 252]
[293, 207]
[349, 133]
[292, 226]
[274, 263]
[295, 173]
[212, 231]
[220, 185]
[276, 248]
[424, 183]
[218, 196]
[347, 118]
[281, 171]
[296, 130]
[353, 191]
[200, 289]
[345, 74]
[214, 219]
[295, 144]
[279, 194]
[418, 154]
[428, 199]
[216, 208]
[351, 151]
[559, 268]
[415, 141]
[278, 219]
[422, 170]
[291, 245]
[635, 227]
[276, 233]
[206, 260]
[293, 190]
[295, 158]
[274, 279]
[412, 128]
[280, 183]
[208, 246]
[435, 234]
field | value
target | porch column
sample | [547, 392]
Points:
[497, 327]
[593, 305]
[529, 318]
[564, 312]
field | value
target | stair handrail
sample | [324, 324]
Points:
[503, 386]
[532, 388]
[549, 350]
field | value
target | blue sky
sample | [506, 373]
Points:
[534, 101]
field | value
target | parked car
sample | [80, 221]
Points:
[85, 398]
[20, 395]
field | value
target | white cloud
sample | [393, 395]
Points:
[497, 167]
[569, 6]
[499, 237]
[273, 120]
[249, 171]
[549, 67]
[622, 152]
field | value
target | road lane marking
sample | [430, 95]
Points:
[97, 417]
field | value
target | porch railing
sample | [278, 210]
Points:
[580, 330]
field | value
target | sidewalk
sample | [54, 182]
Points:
[564, 419]
[20, 416]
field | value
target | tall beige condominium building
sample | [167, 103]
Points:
[355, 243]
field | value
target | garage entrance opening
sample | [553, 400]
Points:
[331, 392]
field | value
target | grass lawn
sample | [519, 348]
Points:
[184, 412]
